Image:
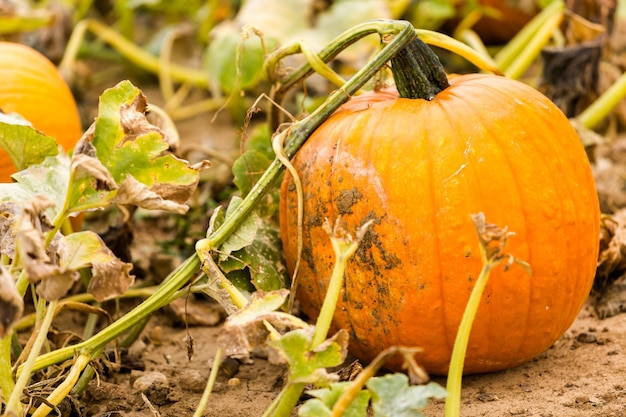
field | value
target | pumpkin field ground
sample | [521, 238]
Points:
[580, 375]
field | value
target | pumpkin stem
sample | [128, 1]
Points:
[418, 72]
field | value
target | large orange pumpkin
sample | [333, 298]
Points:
[419, 168]
[31, 86]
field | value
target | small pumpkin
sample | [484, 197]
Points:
[419, 165]
[33, 87]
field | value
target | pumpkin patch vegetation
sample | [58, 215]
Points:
[32, 87]
[419, 162]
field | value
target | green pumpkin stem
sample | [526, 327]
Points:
[418, 72]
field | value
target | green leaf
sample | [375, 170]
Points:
[325, 399]
[243, 236]
[256, 247]
[133, 162]
[248, 168]
[234, 63]
[392, 396]
[264, 259]
[24, 144]
[309, 366]
[261, 140]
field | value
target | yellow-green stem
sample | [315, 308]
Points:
[455, 373]
[532, 50]
[7, 384]
[343, 252]
[128, 50]
[210, 383]
[13, 404]
[604, 104]
[514, 48]
[64, 388]
[484, 62]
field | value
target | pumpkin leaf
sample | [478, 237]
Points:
[248, 168]
[234, 61]
[325, 398]
[110, 276]
[392, 396]
[243, 236]
[11, 303]
[123, 159]
[255, 247]
[261, 140]
[306, 365]
[247, 329]
[24, 144]
[49, 178]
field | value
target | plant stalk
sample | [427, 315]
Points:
[129, 51]
[455, 373]
[512, 50]
[13, 403]
[604, 104]
[157, 300]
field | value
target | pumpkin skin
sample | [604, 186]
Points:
[32, 87]
[419, 168]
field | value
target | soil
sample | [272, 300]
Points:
[581, 375]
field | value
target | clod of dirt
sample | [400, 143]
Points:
[192, 380]
[155, 386]
[587, 338]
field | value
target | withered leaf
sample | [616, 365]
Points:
[110, 279]
[84, 164]
[134, 192]
[110, 276]
[57, 283]
[612, 258]
[11, 303]
[246, 329]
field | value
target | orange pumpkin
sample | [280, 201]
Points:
[32, 87]
[419, 167]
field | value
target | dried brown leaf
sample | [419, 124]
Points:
[110, 279]
[11, 303]
[612, 258]
[134, 192]
[83, 164]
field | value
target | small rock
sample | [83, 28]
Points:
[486, 397]
[156, 335]
[517, 411]
[192, 380]
[234, 382]
[587, 338]
[155, 387]
[581, 399]
[149, 380]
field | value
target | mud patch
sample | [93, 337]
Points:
[347, 199]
